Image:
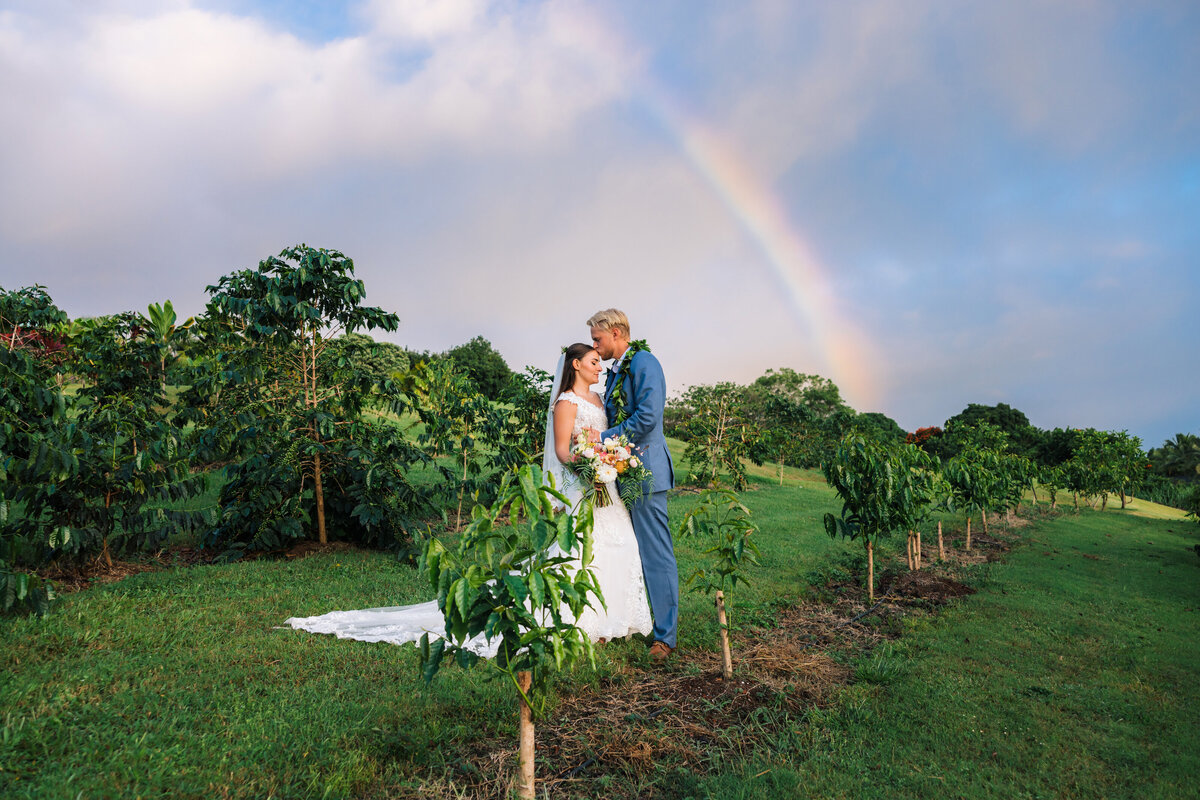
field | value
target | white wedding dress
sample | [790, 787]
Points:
[616, 563]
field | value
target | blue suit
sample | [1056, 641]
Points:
[645, 391]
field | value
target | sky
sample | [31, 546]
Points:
[932, 203]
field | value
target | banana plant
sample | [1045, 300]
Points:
[166, 336]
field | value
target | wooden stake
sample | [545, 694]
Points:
[918, 549]
[941, 544]
[525, 778]
[908, 551]
[726, 656]
[968, 533]
[871, 571]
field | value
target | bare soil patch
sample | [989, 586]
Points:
[75, 577]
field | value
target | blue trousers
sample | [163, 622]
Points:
[658, 563]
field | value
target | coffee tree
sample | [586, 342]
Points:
[881, 485]
[722, 525]
[32, 411]
[519, 578]
[287, 411]
[719, 431]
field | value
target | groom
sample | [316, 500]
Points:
[634, 395]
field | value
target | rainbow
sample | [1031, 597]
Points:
[837, 338]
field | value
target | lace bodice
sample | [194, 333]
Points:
[589, 414]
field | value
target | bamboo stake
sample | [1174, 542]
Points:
[941, 544]
[525, 778]
[726, 656]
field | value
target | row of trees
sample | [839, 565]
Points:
[789, 418]
[783, 418]
[887, 486]
[110, 428]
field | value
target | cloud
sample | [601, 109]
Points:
[122, 111]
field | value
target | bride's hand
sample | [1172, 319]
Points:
[592, 434]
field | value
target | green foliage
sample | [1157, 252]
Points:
[819, 395]
[719, 430]
[167, 335]
[787, 430]
[722, 525]
[1022, 438]
[520, 435]
[519, 576]
[884, 486]
[879, 425]
[976, 480]
[1178, 457]
[280, 395]
[485, 366]
[376, 361]
[1104, 463]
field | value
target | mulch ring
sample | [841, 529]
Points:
[684, 715]
[925, 585]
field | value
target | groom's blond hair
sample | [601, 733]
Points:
[610, 318]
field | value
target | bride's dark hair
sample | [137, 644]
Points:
[570, 355]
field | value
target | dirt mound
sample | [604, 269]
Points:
[927, 586]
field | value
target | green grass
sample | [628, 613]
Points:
[1065, 676]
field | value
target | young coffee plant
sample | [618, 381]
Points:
[519, 577]
[722, 526]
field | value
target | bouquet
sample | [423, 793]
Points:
[600, 463]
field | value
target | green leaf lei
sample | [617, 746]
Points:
[617, 398]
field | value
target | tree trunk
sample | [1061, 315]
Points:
[525, 779]
[983, 518]
[908, 551]
[871, 571]
[968, 533]
[919, 550]
[941, 544]
[1103, 501]
[1122, 498]
[1033, 489]
[726, 656]
[781, 473]
[1076, 502]
[104, 542]
[319, 493]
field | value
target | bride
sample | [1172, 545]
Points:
[616, 561]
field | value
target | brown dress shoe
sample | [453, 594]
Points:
[660, 652]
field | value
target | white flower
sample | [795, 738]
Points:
[588, 453]
[633, 462]
[610, 442]
[622, 453]
[606, 473]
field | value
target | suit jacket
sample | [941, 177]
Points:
[646, 391]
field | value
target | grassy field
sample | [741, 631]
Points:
[1070, 673]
